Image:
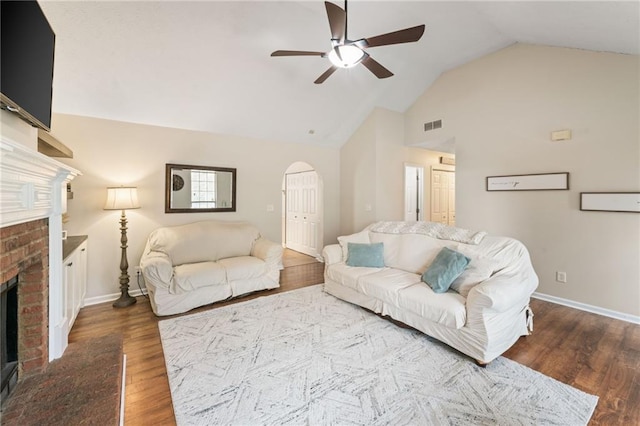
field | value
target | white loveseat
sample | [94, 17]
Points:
[484, 312]
[200, 263]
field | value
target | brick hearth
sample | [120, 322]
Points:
[25, 253]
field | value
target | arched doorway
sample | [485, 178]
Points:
[302, 207]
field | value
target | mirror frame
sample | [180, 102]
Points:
[169, 184]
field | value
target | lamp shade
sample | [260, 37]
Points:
[346, 56]
[122, 198]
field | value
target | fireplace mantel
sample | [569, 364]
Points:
[32, 187]
[31, 184]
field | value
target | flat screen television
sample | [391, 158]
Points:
[26, 63]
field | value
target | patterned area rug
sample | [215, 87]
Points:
[305, 357]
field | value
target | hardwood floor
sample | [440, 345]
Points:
[595, 354]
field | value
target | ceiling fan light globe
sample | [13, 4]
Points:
[346, 56]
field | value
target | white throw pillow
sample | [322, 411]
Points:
[479, 269]
[392, 244]
[417, 252]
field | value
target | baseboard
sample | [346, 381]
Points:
[111, 297]
[588, 308]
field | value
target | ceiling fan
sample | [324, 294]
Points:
[347, 53]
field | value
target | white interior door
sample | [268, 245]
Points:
[443, 197]
[451, 198]
[302, 219]
[413, 193]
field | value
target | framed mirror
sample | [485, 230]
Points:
[198, 189]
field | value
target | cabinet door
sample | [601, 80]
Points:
[75, 283]
[81, 276]
[68, 289]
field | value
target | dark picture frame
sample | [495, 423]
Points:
[182, 197]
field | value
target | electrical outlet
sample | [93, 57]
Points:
[561, 277]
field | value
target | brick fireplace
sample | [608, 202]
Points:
[25, 253]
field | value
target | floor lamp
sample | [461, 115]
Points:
[123, 198]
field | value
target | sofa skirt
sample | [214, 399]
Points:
[480, 344]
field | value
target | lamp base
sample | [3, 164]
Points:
[124, 300]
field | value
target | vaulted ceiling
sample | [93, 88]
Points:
[205, 65]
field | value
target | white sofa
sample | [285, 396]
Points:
[200, 263]
[484, 312]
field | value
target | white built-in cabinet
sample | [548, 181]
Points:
[74, 281]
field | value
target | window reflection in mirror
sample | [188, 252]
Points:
[195, 189]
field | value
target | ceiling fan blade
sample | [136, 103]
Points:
[408, 35]
[337, 21]
[325, 75]
[296, 53]
[375, 67]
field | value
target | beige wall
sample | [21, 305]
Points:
[390, 157]
[372, 171]
[113, 153]
[357, 179]
[501, 109]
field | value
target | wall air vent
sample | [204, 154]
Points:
[432, 125]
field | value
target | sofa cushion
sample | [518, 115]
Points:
[385, 284]
[392, 244]
[447, 308]
[243, 267]
[366, 255]
[204, 241]
[348, 275]
[446, 267]
[417, 252]
[360, 237]
[409, 252]
[191, 276]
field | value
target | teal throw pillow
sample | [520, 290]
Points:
[366, 255]
[446, 267]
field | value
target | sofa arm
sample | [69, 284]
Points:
[157, 269]
[332, 254]
[268, 251]
[503, 291]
